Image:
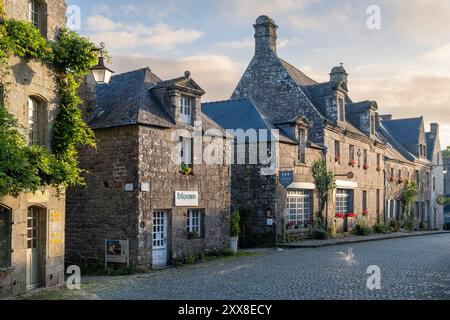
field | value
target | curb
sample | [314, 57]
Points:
[350, 241]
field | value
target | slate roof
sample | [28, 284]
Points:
[127, 100]
[242, 114]
[405, 130]
[299, 77]
[358, 107]
[399, 152]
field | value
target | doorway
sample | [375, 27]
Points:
[34, 245]
[159, 254]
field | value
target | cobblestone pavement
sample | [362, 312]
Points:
[411, 268]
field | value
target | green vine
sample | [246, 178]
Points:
[409, 198]
[325, 182]
[26, 168]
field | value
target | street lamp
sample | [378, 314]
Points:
[101, 73]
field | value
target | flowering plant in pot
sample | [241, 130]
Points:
[184, 169]
[352, 163]
[339, 215]
[337, 159]
[366, 166]
[235, 229]
[365, 213]
[391, 179]
[351, 215]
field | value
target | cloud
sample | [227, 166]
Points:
[218, 75]
[121, 38]
[440, 54]
[408, 96]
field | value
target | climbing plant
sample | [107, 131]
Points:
[70, 56]
[409, 198]
[325, 182]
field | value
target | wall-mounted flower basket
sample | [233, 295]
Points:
[339, 215]
[391, 179]
[185, 170]
[365, 213]
[351, 215]
[366, 166]
[352, 163]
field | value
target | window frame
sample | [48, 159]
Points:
[344, 201]
[194, 222]
[337, 151]
[7, 236]
[187, 109]
[299, 207]
[302, 134]
[341, 108]
[37, 121]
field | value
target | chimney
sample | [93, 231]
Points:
[434, 129]
[265, 35]
[339, 74]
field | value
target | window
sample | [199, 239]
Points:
[428, 180]
[391, 209]
[36, 14]
[392, 173]
[364, 200]
[366, 157]
[337, 152]
[194, 219]
[344, 201]
[378, 161]
[400, 175]
[186, 150]
[37, 125]
[301, 156]
[372, 124]
[5, 237]
[378, 201]
[417, 177]
[351, 154]
[341, 109]
[187, 109]
[299, 207]
[434, 183]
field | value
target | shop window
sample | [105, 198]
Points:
[5, 237]
[298, 208]
[37, 125]
[194, 223]
[344, 201]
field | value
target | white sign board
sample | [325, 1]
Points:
[117, 251]
[186, 198]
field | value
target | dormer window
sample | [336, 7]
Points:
[301, 151]
[341, 106]
[187, 109]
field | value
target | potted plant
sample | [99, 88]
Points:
[366, 166]
[339, 215]
[365, 213]
[193, 235]
[391, 179]
[352, 163]
[351, 215]
[337, 159]
[235, 229]
[184, 169]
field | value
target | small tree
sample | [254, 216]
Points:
[325, 182]
[235, 228]
[409, 197]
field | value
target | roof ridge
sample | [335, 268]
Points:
[227, 100]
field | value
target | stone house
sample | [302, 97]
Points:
[409, 139]
[146, 182]
[344, 131]
[32, 225]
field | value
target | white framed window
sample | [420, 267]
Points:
[33, 13]
[344, 201]
[194, 222]
[187, 109]
[372, 124]
[37, 121]
[298, 207]
[186, 150]
[5, 237]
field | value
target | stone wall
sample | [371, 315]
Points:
[31, 78]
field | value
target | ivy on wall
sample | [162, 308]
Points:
[26, 168]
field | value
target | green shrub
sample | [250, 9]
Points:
[362, 228]
[318, 232]
[394, 225]
[235, 228]
[422, 226]
[380, 228]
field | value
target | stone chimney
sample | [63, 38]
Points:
[434, 129]
[265, 35]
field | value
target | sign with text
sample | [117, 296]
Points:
[186, 198]
[56, 234]
[117, 251]
[286, 178]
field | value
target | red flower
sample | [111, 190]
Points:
[352, 163]
[339, 215]
[366, 166]
[365, 212]
[351, 215]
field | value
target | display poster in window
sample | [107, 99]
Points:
[116, 251]
[56, 234]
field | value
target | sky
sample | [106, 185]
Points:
[404, 64]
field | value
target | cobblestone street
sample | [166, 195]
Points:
[411, 268]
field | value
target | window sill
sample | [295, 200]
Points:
[7, 269]
[300, 164]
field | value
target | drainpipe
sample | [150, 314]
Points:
[325, 152]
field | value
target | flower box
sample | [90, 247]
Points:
[351, 215]
[339, 215]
